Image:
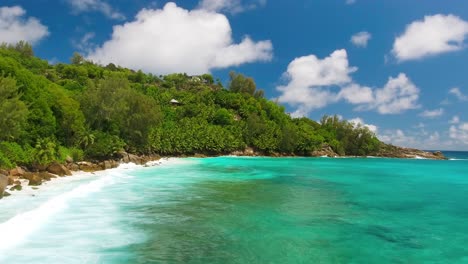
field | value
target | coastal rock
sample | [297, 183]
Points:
[73, 167]
[105, 165]
[46, 176]
[135, 159]
[17, 187]
[123, 156]
[18, 171]
[408, 153]
[325, 150]
[58, 169]
[3, 184]
[88, 166]
[114, 164]
[11, 180]
[34, 179]
[69, 159]
[249, 151]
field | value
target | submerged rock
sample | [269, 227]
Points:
[17, 187]
[58, 169]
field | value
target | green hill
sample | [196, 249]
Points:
[88, 111]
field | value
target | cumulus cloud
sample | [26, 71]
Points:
[356, 94]
[80, 6]
[361, 39]
[14, 27]
[457, 93]
[311, 82]
[230, 6]
[433, 35]
[459, 133]
[308, 78]
[397, 137]
[398, 95]
[454, 120]
[173, 39]
[358, 121]
[432, 113]
[416, 139]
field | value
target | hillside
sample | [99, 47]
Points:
[86, 111]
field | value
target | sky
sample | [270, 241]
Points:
[397, 66]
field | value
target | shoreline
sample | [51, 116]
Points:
[22, 182]
[26, 187]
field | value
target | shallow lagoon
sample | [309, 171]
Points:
[246, 210]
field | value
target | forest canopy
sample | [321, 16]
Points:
[87, 111]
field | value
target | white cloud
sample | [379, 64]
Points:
[311, 81]
[457, 93]
[308, 76]
[85, 44]
[173, 39]
[350, 2]
[419, 140]
[454, 120]
[459, 133]
[359, 121]
[230, 6]
[360, 39]
[397, 137]
[96, 5]
[398, 95]
[14, 27]
[432, 113]
[356, 94]
[433, 35]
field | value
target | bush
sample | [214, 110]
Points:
[14, 153]
[104, 146]
[5, 163]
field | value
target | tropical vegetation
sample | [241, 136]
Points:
[87, 111]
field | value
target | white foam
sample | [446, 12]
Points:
[458, 159]
[419, 157]
[18, 228]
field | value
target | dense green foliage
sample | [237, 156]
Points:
[89, 111]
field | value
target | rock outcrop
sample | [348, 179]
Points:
[324, 151]
[58, 169]
[33, 178]
[89, 166]
[18, 171]
[390, 151]
[3, 184]
[248, 151]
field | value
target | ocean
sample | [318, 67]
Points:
[246, 210]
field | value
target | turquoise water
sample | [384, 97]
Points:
[246, 210]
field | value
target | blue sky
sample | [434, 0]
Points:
[399, 67]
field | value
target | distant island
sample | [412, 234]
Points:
[52, 117]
